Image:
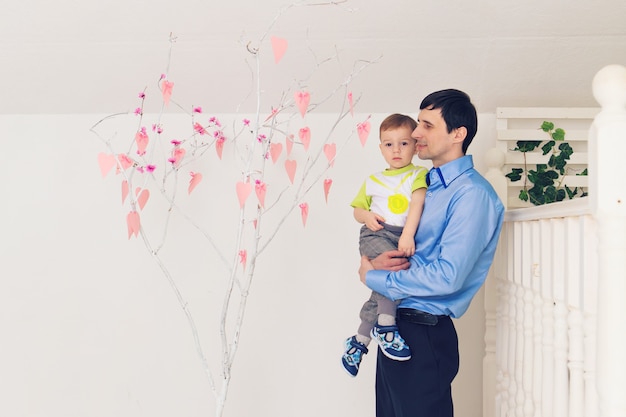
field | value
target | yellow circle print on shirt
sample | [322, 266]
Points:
[398, 203]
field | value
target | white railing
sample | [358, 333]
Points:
[555, 298]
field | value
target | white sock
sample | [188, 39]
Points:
[363, 339]
[386, 320]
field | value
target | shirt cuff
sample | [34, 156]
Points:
[376, 280]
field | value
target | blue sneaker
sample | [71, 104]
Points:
[391, 343]
[352, 356]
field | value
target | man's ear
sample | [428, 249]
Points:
[460, 134]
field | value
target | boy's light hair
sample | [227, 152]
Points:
[395, 121]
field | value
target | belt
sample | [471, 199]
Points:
[418, 317]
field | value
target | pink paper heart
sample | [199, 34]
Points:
[305, 137]
[167, 87]
[290, 166]
[304, 212]
[275, 151]
[142, 197]
[133, 223]
[330, 150]
[243, 257]
[327, 183]
[124, 190]
[219, 147]
[260, 188]
[289, 144]
[124, 162]
[196, 177]
[302, 101]
[106, 162]
[364, 130]
[141, 139]
[243, 191]
[279, 46]
[177, 155]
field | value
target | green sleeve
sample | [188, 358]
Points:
[362, 200]
[420, 179]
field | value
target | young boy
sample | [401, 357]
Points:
[389, 204]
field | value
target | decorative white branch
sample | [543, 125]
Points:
[252, 158]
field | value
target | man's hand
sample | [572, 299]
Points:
[393, 260]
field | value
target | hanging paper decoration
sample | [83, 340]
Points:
[364, 130]
[351, 102]
[142, 197]
[275, 151]
[177, 156]
[290, 166]
[133, 223]
[304, 212]
[124, 162]
[167, 87]
[124, 190]
[141, 139]
[196, 177]
[330, 150]
[243, 191]
[260, 188]
[302, 101]
[106, 162]
[279, 46]
[219, 147]
[305, 137]
[243, 257]
[327, 183]
[289, 144]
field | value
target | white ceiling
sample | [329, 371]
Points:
[85, 56]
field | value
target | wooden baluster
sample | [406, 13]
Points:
[608, 200]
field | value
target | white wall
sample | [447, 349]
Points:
[90, 327]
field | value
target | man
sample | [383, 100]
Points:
[455, 244]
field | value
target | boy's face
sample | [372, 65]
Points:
[397, 147]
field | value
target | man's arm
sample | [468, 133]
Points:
[393, 260]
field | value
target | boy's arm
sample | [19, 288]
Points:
[407, 240]
[368, 218]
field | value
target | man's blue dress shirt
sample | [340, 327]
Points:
[455, 243]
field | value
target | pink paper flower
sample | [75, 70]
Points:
[246, 122]
[142, 95]
[197, 109]
[150, 168]
[138, 111]
[175, 142]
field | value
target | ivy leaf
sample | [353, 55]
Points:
[584, 173]
[571, 193]
[558, 134]
[547, 126]
[523, 195]
[527, 145]
[515, 174]
[547, 147]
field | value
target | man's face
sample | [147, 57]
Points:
[433, 140]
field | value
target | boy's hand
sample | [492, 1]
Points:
[373, 220]
[406, 244]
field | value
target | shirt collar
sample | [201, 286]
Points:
[448, 172]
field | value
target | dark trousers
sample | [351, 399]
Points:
[419, 387]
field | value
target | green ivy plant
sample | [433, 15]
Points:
[546, 179]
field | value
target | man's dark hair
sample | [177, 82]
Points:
[456, 109]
